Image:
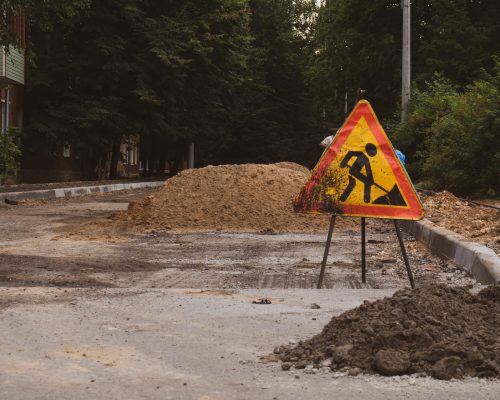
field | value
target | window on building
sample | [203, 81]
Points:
[3, 111]
[66, 153]
[130, 152]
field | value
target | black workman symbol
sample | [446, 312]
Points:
[356, 171]
[390, 197]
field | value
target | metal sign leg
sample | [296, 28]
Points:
[405, 256]
[327, 250]
[363, 250]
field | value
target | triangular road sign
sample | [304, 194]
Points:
[360, 175]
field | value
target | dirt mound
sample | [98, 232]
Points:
[437, 330]
[476, 222]
[294, 167]
[246, 198]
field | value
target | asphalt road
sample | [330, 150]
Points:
[184, 344]
[171, 317]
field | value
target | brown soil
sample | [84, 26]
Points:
[258, 198]
[437, 330]
[230, 198]
[478, 223]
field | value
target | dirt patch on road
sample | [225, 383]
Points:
[229, 198]
[437, 330]
[476, 222]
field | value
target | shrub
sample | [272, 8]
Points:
[452, 140]
[9, 154]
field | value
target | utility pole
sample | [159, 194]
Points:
[406, 78]
[191, 156]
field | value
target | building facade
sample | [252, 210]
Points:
[13, 77]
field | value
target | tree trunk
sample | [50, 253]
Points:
[177, 164]
[90, 160]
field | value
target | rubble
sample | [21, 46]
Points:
[445, 332]
[478, 223]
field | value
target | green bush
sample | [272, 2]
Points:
[9, 154]
[452, 140]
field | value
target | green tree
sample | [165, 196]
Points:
[40, 14]
[451, 138]
[358, 44]
[277, 121]
[193, 63]
[81, 87]
[454, 38]
[169, 71]
[9, 154]
[426, 106]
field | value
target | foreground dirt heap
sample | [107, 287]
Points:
[442, 331]
[247, 197]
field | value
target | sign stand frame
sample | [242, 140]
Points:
[360, 95]
[327, 251]
[405, 256]
[363, 251]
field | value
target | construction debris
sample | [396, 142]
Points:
[435, 330]
[478, 223]
[262, 301]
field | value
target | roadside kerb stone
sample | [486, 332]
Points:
[478, 260]
[76, 191]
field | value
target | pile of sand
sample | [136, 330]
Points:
[476, 222]
[248, 198]
[437, 330]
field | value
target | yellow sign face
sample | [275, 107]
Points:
[360, 175]
[353, 154]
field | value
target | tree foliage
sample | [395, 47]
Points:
[276, 119]
[40, 14]
[80, 89]
[359, 44]
[247, 80]
[193, 62]
[9, 154]
[453, 137]
[227, 74]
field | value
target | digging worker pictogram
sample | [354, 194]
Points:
[355, 171]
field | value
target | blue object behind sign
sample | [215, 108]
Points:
[401, 156]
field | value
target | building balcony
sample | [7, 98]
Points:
[12, 66]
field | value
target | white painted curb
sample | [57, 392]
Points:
[76, 191]
[478, 260]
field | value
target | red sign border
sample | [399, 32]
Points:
[414, 211]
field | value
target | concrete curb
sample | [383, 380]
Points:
[75, 191]
[480, 261]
